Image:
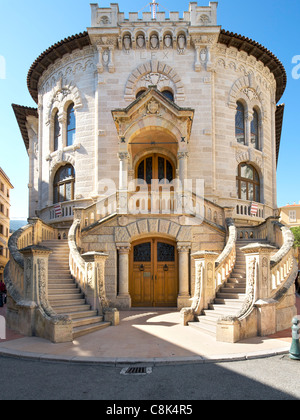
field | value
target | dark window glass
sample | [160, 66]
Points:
[248, 184]
[149, 170]
[142, 252]
[64, 184]
[141, 170]
[165, 252]
[56, 132]
[140, 93]
[255, 130]
[240, 123]
[168, 95]
[71, 125]
[161, 168]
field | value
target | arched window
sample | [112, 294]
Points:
[155, 167]
[240, 123]
[56, 132]
[168, 94]
[255, 130]
[64, 184]
[248, 184]
[71, 125]
[140, 92]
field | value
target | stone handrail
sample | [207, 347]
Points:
[226, 260]
[270, 275]
[88, 271]
[76, 262]
[26, 279]
[211, 272]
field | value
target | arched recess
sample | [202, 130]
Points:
[157, 73]
[246, 89]
[61, 97]
[59, 161]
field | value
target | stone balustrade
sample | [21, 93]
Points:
[26, 279]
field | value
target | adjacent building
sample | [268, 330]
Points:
[290, 215]
[5, 187]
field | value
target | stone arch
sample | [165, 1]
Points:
[152, 227]
[62, 95]
[150, 72]
[246, 89]
[61, 159]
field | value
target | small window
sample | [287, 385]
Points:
[56, 132]
[168, 94]
[71, 125]
[140, 92]
[240, 123]
[255, 130]
[248, 184]
[64, 184]
[292, 216]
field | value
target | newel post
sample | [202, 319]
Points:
[95, 287]
[35, 286]
[205, 285]
[259, 285]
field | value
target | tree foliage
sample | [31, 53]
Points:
[296, 232]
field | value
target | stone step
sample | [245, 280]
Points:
[89, 320]
[67, 302]
[62, 286]
[205, 328]
[72, 309]
[82, 314]
[224, 300]
[83, 330]
[235, 289]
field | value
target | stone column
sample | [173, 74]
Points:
[259, 285]
[95, 288]
[182, 158]
[183, 299]
[123, 182]
[123, 296]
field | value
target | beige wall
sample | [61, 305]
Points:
[290, 215]
[5, 187]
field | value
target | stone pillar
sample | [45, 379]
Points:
[182, 158]
[259, 285]
[95, 288]
[123, 182]
[205, 260]
[123, 297]
[183, 299]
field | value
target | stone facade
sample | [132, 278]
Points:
[116, 76]
[5, 188]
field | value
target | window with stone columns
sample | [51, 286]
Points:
[64, 184]
[240, 123]
[255, 135]
[71, 125]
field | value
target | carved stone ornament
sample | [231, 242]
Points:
[168, 41]
[153, 107]
[181, 42]
[127, 42]
[140, 41]
[154, 42]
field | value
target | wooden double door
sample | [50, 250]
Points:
[153, 273]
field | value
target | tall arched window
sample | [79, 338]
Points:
[56, 132]
[240, 123]
[248, 183]
[64, 184]
[255, 130]
[71, 125]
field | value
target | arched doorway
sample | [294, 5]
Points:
[153, 275]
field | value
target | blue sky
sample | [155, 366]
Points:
[27, 28]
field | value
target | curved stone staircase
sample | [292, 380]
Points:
[230, 298]
[64, 296]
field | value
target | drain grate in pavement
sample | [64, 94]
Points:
[136, 370]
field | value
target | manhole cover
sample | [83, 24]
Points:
[136, 370]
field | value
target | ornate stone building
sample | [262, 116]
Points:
[5, 187]
[154, 148]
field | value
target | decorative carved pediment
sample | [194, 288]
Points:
[152, 109]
